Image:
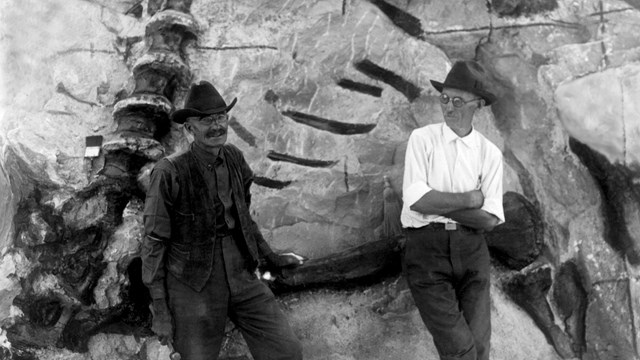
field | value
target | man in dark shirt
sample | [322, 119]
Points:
[201, 246]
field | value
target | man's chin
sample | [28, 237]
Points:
[216, 140]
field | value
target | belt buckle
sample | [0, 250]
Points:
[450, 226]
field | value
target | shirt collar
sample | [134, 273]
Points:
[206, 159]
[470, 140]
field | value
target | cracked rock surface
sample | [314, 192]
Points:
[568, 123]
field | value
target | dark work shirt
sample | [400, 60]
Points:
[160, 200]
[216, 174]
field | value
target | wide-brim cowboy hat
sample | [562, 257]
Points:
[203, 99]
[468, 76]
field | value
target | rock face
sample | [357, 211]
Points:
[328, 94]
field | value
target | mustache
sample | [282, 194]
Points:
[217, 132]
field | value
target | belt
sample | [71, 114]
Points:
[446, 227]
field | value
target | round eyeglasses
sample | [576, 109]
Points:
[219, 119]
[456, 101]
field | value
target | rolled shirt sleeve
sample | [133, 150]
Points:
[414, 183]
[491, 185]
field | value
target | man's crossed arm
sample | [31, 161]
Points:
[464, 208]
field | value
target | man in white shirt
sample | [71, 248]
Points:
[452, 193]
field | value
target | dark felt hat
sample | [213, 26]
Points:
[203, 99]
[468, 76]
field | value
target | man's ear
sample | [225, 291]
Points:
[187, 126]
[481, 103]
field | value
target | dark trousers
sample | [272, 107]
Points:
[448, 274]
[231, 291]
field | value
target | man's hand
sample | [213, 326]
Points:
[284, 260]
[162, 323]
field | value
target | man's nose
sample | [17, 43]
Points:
[448, 107]
[216, 125]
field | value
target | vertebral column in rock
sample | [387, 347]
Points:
[143, 117]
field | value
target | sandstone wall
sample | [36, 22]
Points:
[568, 77]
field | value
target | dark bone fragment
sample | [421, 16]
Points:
[300, 161]
[332, 126]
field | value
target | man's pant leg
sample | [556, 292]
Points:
[264, 326]
[430, 276]
[474, 290]
[200, 317]
[255, 311]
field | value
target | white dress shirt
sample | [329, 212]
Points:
[438, 159]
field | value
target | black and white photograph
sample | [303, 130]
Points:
[320, 180]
